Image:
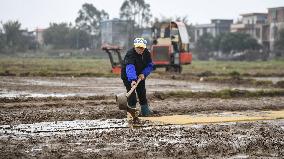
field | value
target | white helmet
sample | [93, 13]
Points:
[140, 42]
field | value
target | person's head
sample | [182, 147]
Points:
[139, 45]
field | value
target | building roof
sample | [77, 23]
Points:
[213, 23]
[222, 19]
[205, 25]
[252, 14]
[277, 8]
[39, 30]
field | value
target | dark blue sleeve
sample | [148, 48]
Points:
[131, 72]
[148, 69]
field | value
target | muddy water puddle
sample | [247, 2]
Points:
[174, 120]
[63, 126]
[92, 86]
[12, 93]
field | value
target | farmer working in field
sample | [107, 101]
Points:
[137, 64]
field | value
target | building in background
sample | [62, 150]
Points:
[276, 23]
[39, 36]
[216, 27]
[264, 27]
[252, 24]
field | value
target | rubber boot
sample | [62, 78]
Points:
[132, 111]
[145, 110]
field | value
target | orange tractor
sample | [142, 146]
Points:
[169, 49]
[115, 62]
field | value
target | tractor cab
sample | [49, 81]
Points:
[170, 48]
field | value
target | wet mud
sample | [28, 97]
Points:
[233, 140]
[91, 86]
[93, 127]
[58, 109]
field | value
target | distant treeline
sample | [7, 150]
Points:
[86, 33]
[234, 43]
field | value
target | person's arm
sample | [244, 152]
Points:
[149, 68]
[130, 68]
[131, 72]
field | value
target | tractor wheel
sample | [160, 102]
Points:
[170, 69]
[178, 69]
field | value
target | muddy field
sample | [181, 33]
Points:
[89, 86]
[78, 118]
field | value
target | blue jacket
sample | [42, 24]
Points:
[135, 64]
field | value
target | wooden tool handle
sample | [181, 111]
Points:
[133, 88]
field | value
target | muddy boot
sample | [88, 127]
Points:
[132, 111]
[145, 110]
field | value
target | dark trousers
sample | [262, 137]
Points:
[141, 92]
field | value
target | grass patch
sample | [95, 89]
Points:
[101, 67]
[219, 94]
[237, 80]
[54, 67]
[261, 83]
[244, 68]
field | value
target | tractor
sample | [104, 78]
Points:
[170, 47]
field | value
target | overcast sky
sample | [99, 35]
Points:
[39, 13]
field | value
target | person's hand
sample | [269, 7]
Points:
[141, 76]
[133, 83]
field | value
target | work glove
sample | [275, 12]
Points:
[141, 76]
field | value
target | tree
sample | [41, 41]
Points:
[204, 46]
[237, 42]
[12, 34]
[89, 18]
[56, 35]
[13, 39]
[78, 39]
[64, 36]
[136, 10]
[217, 41]
[2, 41]
[205, 43]
[183, 19]
[26, 41]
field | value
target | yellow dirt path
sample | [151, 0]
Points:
[217, 117]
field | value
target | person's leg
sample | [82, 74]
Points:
[131, 100]
[141, 92]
